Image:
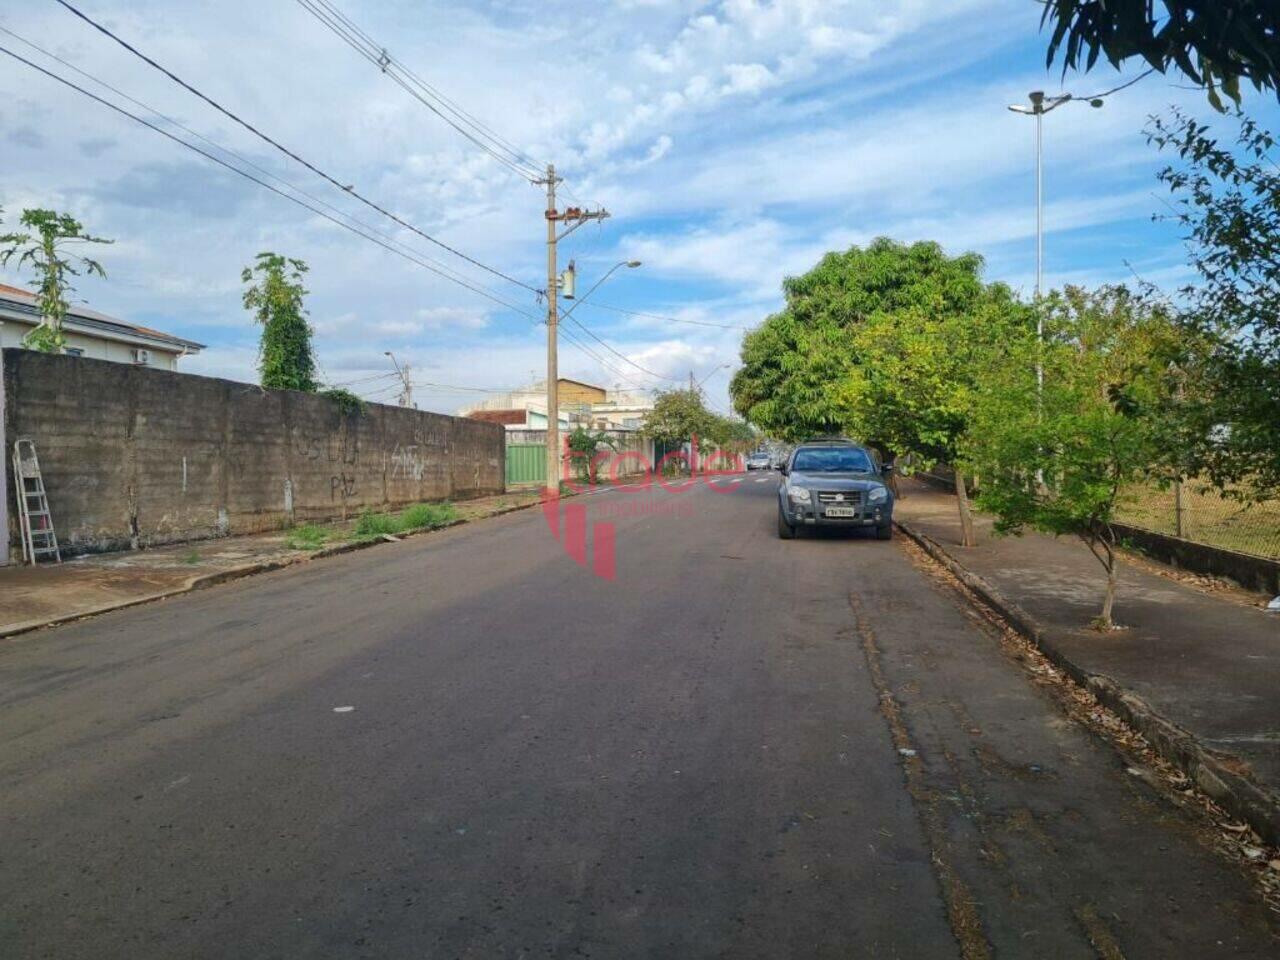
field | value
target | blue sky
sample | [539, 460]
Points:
[733, 141]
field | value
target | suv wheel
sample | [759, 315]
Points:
[785, 530]
[884, 531]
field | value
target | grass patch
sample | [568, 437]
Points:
[420, 516]
[427, 515]
[192, 558]
[307, 537]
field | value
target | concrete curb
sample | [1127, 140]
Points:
[1218, 774]
[244, 570]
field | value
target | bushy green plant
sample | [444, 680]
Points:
[43, 249]
[348, 403]
[275, 295]
[370, 525]
[427, 515]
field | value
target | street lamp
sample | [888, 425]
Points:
[630, 264]
[1040, 105]
[714, 371]
[406, 391]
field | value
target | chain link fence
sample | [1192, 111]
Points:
[1196, 512]
[1191, 511]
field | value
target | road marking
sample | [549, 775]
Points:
[736, 480]
[343, 709]
[762, 479]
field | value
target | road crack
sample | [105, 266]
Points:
[962, 909]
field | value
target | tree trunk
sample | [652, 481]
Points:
[1111, 563]
[966, 517]
[1104, 620]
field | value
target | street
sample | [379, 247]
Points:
[466, 745]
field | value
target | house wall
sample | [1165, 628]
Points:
[572, 394]
[95, 348]
[134, 456]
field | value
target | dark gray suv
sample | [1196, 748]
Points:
[834, 483]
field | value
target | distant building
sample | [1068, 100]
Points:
[93, 334]
[581, 404]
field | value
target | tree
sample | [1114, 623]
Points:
[795, 364]
[1217, 43]
[285, 360]
[912, 384]
[43, 248]
[583, 445]
[1227, 199]
[679, 416]
[1057, 459]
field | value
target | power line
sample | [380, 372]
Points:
[240, 157]
[657, 316]
[620, 374]
[451, 113]
[346, 188]
[262, 183]
[618, 353]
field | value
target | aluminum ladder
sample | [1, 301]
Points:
[34, 519]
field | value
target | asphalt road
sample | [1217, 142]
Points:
[466, 745]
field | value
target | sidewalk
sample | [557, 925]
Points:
[33, 597]
[1205, 666]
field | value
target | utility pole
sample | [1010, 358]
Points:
[572, 217]
[406, 389]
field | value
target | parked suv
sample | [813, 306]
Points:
[834, 483]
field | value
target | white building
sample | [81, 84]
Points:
[93, 334]
[581, 404]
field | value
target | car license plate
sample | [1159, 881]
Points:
[841, 512]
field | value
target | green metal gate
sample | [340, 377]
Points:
[526, 463]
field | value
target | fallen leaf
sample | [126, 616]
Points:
[1235, 827]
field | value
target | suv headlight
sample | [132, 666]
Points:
[799, 495]
[877, 494]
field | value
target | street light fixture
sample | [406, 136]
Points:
[406, 390]
[1040, 105]
[714, 371]
[630, 264]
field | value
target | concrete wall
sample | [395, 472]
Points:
[1252, 573]
[133, 456]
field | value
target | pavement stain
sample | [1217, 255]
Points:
[962, 907]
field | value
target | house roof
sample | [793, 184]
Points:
[504, 417]
[22, 305]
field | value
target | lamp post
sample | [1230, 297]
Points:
[406, 390]
[1039, 106]
[714, 371]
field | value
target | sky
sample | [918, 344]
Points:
[733, 143]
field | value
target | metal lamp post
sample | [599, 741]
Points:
[1039, 106]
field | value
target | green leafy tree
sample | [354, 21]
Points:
[916, 371]
[44, 248]
[584, 445]
[275, 295]
[1057, 460]
[794, 366]
[678, 416]
[1217, 43]
[1227, 200]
